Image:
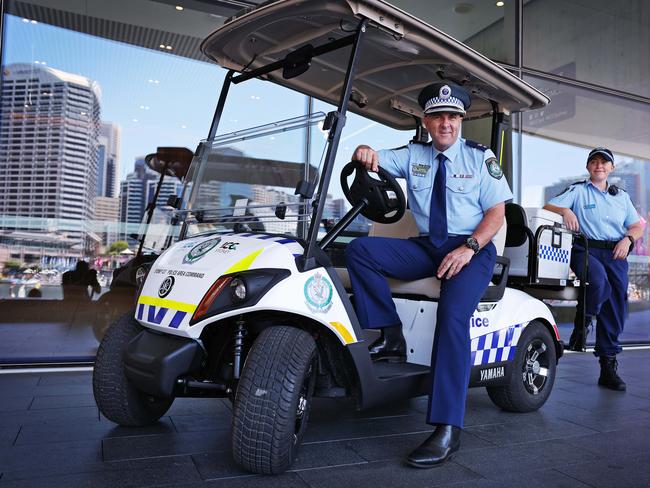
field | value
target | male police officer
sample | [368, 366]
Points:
[456, 192]
[605, 214]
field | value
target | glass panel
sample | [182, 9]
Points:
[245, 181]
[555, 142]
[79, 114]
[598, 41]
[486, 26]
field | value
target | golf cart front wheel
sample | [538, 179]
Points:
[533, 372]
[118, 400]
[273, 399]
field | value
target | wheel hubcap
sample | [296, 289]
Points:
[535, 367]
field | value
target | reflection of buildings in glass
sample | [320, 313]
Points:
[45, 249]
[134, 197]
[108, 163]
[48, 153]
[107, 214]
[262, 195]
[137, 190]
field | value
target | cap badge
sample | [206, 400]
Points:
[445, 92]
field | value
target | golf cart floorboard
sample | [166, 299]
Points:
[385, 370]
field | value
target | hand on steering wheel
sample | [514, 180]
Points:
[385, 201]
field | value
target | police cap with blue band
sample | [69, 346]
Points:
[444, 96]
[601, 151]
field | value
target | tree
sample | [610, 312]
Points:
[12, 265]
[117, 247]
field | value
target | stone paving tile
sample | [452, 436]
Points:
[150, 472]
[151, 446]
[386, 474]
[547, 478]
[87, 429]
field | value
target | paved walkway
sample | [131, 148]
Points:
[51, 434]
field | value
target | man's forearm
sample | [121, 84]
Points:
[490, 225]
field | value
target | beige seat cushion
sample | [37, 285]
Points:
[405, 228]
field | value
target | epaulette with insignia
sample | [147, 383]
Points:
[570, 187]
[476, 145]
[398, 148]
[421, 143]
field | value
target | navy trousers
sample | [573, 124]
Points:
[606, 295]
[371, 259]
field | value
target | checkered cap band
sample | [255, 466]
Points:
[438, 104]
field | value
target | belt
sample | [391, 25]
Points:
[602, 244]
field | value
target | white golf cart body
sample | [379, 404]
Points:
[209, 297]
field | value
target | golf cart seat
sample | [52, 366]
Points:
[405, 228]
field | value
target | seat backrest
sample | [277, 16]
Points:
[516, 225]
[499, 238]
[406, 227]
[403, 228]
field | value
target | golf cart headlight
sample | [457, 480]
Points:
[238, 288]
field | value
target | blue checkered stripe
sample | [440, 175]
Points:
[496, 346]
[553, 254]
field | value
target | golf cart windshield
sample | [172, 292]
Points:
[246, 181]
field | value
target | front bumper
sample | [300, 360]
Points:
[153, 362]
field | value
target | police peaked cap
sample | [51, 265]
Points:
[601, 151]
[444, 96]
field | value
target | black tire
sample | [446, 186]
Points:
[273, 398]
[533, 372]
[117, 399]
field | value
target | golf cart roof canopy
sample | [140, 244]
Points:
[400, 54]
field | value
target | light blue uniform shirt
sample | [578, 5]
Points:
[601, 216]
[471, 189]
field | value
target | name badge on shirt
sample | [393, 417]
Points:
[456, 175]
[420, 169]
[589, 206]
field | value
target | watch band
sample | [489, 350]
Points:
[632, 240]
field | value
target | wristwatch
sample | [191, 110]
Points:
[472, 243]
[630, 238]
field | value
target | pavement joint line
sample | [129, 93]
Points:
[69, 369]
[348, 439]
[343, 465]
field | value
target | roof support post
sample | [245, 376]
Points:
[308, 260]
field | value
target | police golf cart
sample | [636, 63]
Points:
[253, 303]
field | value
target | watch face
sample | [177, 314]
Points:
[472, 244]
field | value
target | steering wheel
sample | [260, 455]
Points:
[386, 201]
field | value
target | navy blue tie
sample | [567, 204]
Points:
[438, 211]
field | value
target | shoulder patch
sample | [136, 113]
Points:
[476, 145]
[494, 168]
[421, 143]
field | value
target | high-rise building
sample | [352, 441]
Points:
[134, 195]
[108, 160]
[107, 214]
[48, 151]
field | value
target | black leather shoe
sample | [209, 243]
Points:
[391, 346]
[578, 337]
[609, 377]
[437, 449]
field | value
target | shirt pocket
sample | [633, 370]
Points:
[462, 195]
[418, 195]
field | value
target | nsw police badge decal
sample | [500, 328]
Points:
[494, 168]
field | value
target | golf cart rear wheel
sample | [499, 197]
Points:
[117, 399]
[273, 399]
[533, 372]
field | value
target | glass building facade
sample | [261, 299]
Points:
[90, 88]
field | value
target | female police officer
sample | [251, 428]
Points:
[456, 192]
[606, 216]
